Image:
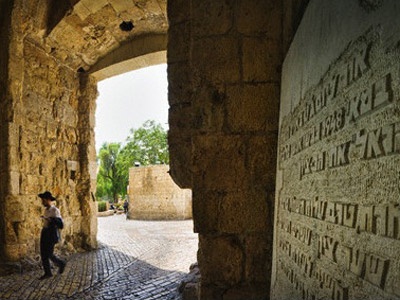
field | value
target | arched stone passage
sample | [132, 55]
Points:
[224, 62]
[49, 105]
[142, 52]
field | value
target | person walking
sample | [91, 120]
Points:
[126, 205]
[49, 236]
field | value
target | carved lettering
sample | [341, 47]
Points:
[358, 65]
[393, 221]
[382, 91]
[374, 144]
[339, 155]
[341, 121]
[333, 123]
[297, 283]
[312, 164]
[349, 215]
[328, 283]
[355, 261]
[327, 247]
[376, 270]
[370, 267]
[340, 293]
[365, 220]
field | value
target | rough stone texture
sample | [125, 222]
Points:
[224, 97]
[224, 64]
[5, 21]
[48, 106]
[153, 195]
[337, 206]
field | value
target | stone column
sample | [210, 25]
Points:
[224, 73]
[5, 28]
[86, 186]
[180, 88]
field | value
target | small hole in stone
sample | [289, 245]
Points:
[81, 70]
[126, 26]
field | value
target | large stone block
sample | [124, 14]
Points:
[14, 252]
[179, 83]
[178, 11]
[221, 260]
[261, 59]
[206, 210]
[258, 248]
[209, 108]
[243, 212]
[219, 163]
[222, 57]
[179, 34]
[262, 164]
[337, 210]
[260, 17]
[219, 16]
[252, 108]
[180, 154]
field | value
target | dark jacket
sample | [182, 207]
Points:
[51, 234]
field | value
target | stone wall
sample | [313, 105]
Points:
[48, 107]
[337, 207]
[153, 195]
[224, 81]
[5, 24]
[224, 91]
[42, 114]
[224, 68]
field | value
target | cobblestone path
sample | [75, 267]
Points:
[135, 260]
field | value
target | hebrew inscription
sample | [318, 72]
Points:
[338, 221]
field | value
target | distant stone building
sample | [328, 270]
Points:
[153, 195]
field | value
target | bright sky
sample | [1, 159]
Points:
[126, 101]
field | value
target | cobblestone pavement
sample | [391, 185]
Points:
[135, 260]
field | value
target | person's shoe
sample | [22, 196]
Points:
[45, 276]
[61, 267]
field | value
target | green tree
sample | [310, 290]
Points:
[109, 180]
[146, 145]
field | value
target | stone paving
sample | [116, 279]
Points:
[135, 260]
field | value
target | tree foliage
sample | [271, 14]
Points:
[146, 145]
[109, 179]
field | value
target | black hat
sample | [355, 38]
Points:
[47, 195]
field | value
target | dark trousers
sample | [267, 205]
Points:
[47, 243]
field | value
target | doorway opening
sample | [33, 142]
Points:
[155, 233]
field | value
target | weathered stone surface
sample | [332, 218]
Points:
[217, 269]
[258, 53]
[337, 210]
[154, 196]
[252, 22]
[219, 15]
[224, 70]
[253, 107]
[221, 54]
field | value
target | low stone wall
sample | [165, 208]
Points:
[154, 196]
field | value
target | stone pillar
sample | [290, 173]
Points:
[45, 139]
[5, 28]
[181, 126]
[87, 160]
[224, 73]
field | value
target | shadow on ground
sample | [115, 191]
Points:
[104, 273]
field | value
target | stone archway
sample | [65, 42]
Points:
[224, 62]
[55, 56]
